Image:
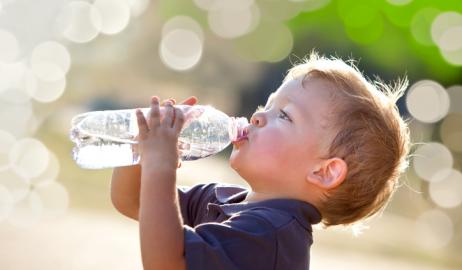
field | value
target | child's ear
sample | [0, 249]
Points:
[328, 174]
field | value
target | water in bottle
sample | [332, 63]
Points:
[105, 139]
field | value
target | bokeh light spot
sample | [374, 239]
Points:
[6, 142]
[452, 57]
[363, 22]
[26, 212]
[431, 158]
[399, 15]
[451, 132]
[48, 72]
[50, 173]
[399, 2]
[231, 19]
[367, 34]
[427, 101]
[180, 49]
[115, 15]
[446, 188]
[451, 39]
[279, 11]
[442, 23]
[29, 157]
[11, 75]
[455, 94]
[446, 32]
[15, 96]
[81, 22]
[138, 7]
[50, 61]
[22, 112]
[9, 46]
[433, 229]
[204, 4]
[421, 25]
[17, 185]
[420, 132]
[46, 91]
[185, 23]
[271, 42]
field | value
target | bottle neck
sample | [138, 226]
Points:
[236, 127]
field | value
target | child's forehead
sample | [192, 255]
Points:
[297, 88]
[286, 88]
[310, 98]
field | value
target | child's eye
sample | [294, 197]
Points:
[284, 115]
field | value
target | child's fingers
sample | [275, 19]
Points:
[169, 115]
[171, 100]
[154, 114]
[179, 120]
[142, 124]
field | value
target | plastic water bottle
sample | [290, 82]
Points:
[105, 139]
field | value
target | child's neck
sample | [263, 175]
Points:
[254, 196]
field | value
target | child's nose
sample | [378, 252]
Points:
[258, 119]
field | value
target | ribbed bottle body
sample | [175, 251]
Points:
[105, 139]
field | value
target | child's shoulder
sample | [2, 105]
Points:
[277, 212]
[284, 213]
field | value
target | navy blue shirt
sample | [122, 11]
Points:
[222, 233]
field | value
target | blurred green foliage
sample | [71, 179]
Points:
[386, 38]
[381, 33]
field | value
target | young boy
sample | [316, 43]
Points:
[328, 147]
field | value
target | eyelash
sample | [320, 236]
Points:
[281, 112]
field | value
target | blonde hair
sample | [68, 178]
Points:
[371, 137]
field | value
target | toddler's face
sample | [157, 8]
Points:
[287, 137]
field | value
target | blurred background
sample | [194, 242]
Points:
[59, 58]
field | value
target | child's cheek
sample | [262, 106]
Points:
[268, 144]
[270, 153]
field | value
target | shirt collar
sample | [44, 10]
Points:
[231, 198]
[230, 194]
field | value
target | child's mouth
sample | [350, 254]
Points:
[241, 137]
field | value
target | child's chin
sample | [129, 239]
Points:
[235, 157]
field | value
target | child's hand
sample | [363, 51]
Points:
[158, 138]
[191, 101]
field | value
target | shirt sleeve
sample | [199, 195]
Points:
[244, 241]
[193, 201]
